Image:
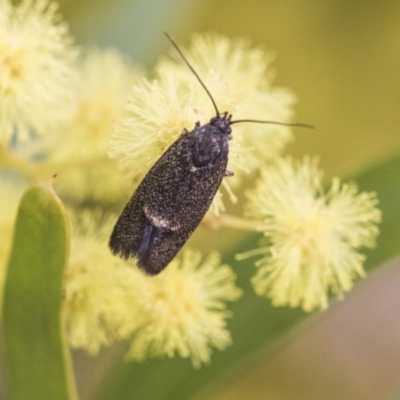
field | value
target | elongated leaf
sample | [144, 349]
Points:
[384, 179]
[37, 366]
[255, 324]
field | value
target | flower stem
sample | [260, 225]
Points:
[25, 167]
[243, 224]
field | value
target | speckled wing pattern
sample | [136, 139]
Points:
[172, 199]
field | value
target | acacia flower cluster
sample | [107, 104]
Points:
[36, 57]
[95, 299]
[314, 236]
[86, 173]
[183, 310]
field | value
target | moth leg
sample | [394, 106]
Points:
[228, 173]
[184, 132]
[197, 125]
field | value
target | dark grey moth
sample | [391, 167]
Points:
[176, 193]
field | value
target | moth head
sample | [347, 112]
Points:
[222, 122]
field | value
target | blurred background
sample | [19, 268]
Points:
[342, 59]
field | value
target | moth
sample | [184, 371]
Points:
[176, 193]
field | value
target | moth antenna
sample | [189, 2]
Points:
[295, 124]
[193, 70]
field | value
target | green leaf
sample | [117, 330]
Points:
[384, 179]
[255, 325]
[36, 364]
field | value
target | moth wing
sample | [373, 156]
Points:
[150, 214]
[162, 247]
[138, 234]
[127, 233]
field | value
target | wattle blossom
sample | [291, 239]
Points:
[36, 69]
[314, 235]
